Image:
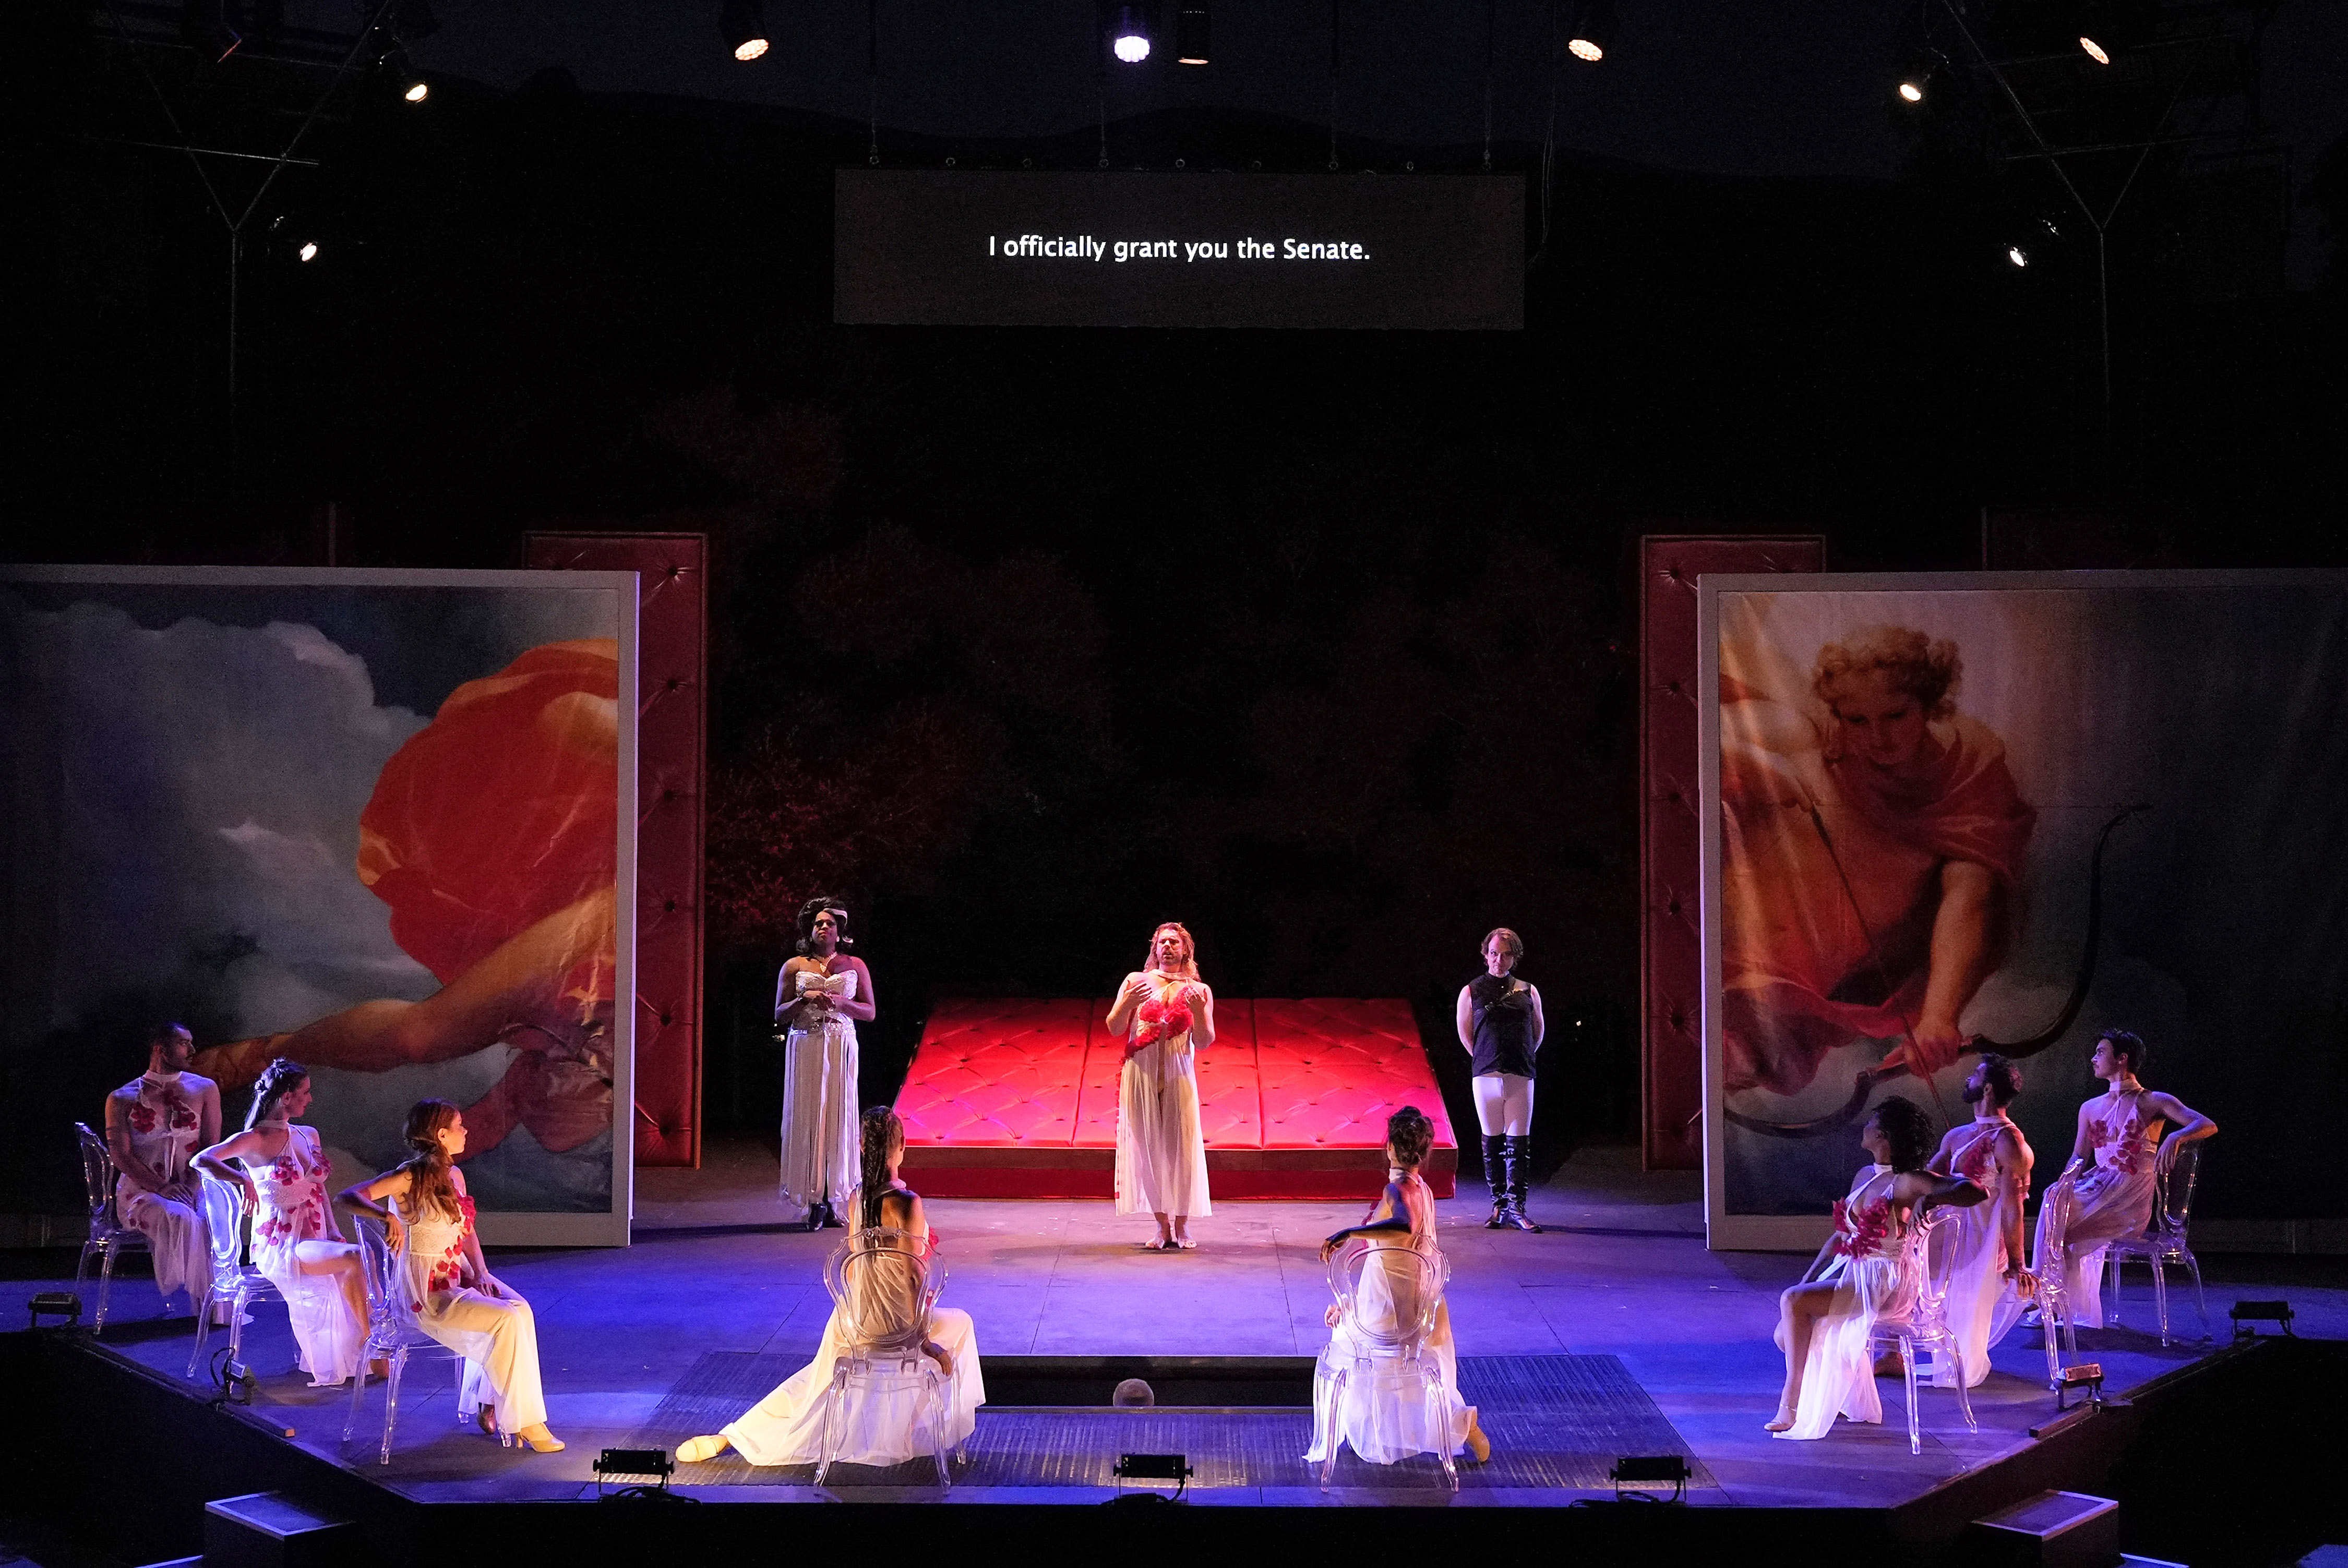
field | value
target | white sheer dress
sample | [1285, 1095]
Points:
[1161, 1149]
[2110, 1199]
[820, 1134]
[1874, 1277]
[294, 1209]
[1982, 1304]
[497, 1335]
[163, 1124]
[787, 1426]
[1383, 1425]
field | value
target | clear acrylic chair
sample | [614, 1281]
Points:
[235, 1282]
[109, 1238]
[1387, 1325]
[883, 1285]
[1923, 1329]
[392, 1332]
[2162, 1243]
[2052, 1294]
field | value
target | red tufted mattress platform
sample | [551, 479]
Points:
[1017, 1099]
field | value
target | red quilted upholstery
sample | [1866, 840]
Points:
[1018, 1099]
[997, 1075]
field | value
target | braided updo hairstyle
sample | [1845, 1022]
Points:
[277, 1080]
[884, 1135]
[1410, 1134]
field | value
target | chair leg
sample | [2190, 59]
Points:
[1336, 1394]
[2160, 1297]
[2112, 1289]
[1439, 1423]
[937, 1404]
[832, 1424]
[358, 1392]
[105, 1285]
[203, 1332]
[2200, 1302]
[1915, 1423]
[1964, 1396]
[391, 1402]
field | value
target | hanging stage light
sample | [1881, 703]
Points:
[1594, 30]
[1128, 34]
[1913, 91]
[2095, 51]
[309, 251]
[2017, 255]
[417, 91]
[743, 24]
[1191, 33]
[204, 24]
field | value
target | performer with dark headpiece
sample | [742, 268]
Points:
[820, 996]
[1500, 1023]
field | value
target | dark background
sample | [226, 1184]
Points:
[1322, 643]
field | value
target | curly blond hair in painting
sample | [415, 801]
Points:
[1926, 669]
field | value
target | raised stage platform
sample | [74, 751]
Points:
[1017, 1098]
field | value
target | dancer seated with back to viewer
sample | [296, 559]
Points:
[1988, 1271]
[1860, 1276]
[296, 1243]
[427, 1217]
[2116, 1163]
[787, 1426]
[1383, 1427]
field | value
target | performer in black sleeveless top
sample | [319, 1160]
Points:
[1499, 1023]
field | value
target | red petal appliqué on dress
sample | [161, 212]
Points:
[1859, 1231]
[1156, 1019]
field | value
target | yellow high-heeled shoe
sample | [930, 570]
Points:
[546, 1442]
[1478, 1445]
[693, 1450]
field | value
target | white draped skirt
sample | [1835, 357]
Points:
[175, 1234]
[883, 1426]
[821, 1136]
[2107, 1204]
[1838, 1375]
[1982, 1305]
[1385, 1417]
[1161, 1152]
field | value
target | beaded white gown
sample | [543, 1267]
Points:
[1982, 1305]
[164, 1125]
[294, 1209]
[497, 1335]
[1161, 1146]
[787, 1426]
[2111, 1199]
[821, 1138]
[1383, 1425]
[1874, 1277]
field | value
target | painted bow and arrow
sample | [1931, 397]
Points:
[1866, 1083]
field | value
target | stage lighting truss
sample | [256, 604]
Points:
[1128, 34]
[743, 25]
[1594, 30]
[1191, 33]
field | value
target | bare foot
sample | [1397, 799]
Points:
[1478, 1444]
[693, 1450]
[378, 1367]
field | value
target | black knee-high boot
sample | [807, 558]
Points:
[1518, 1157]
[1496, 1176]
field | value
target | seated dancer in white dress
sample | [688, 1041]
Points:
[296, 1245]
[1862, 1273]
[2109, 1182]
[1167, 1015]
[820, 996]
[1381, 1425]
[1988, 1270]
[428, 1218]
[153, 1125]
[787, 1426]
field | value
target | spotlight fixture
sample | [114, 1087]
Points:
[2017, 255]
[309, 251]
[1191, 33]
[204, 24]
[2095, 51]
[1594, 30]
[1914, 92]
[743, 25]
[417, 91]
[1129, 32]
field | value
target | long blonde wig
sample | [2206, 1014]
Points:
[1190, 970]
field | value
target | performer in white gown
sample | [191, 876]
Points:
[428, 1217]
[154, 1123]
[1167, 1016]
[820, 996]
[2109, 1183]
[1865, 1271]
[296, 1245]
[1988, 1271]
[787, 1426]
[1384, 1426]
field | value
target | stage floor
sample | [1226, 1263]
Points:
[1622, 1274]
